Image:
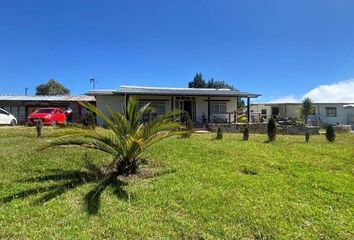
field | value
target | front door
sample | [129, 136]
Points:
[187, 105]
[188, 108]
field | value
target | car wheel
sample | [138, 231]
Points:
[13, 122]
[54, 123]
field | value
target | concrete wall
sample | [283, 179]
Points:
[115, 102]
[261, 128]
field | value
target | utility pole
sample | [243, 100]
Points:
[93, 82]
[26, 90]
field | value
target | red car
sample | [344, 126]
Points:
[49, 116]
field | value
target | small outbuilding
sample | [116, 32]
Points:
[22, 106]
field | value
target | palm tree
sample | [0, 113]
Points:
[307, 108]
[124, 140]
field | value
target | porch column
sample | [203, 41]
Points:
[172, 103]
[126, 99]
[208, 109]
[248, 110]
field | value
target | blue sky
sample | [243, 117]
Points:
[276, 48]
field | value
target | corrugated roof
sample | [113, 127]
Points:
[82, 98]
[100, 92]
[348, 105]
[174, 91]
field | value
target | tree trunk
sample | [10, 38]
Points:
[127, 167]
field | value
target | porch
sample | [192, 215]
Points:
[204, 105]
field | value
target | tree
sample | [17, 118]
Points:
[307, 108]
[52, 88]
[218, 84]
[125, 140]
[198, 81]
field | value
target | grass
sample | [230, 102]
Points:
[202, 189]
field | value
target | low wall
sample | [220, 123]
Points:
[262, 128]
[342, 128]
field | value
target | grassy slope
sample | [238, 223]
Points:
[292, 190]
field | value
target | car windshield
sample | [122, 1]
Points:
[45, 110]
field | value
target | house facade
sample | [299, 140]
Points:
[327, 113]
[203, 105]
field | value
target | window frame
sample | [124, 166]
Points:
[329, 112]
[155, 104]
[218, 105]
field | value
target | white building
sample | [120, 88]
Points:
[202, 104]
[330, 113]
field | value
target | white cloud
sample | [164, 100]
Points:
[340, 92]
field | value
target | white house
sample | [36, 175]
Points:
[330, 113]
[202, 104]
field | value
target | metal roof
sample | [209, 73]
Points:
[82, 98]
[100, 92]
[136, 90]
[316, 103]
[348, 105]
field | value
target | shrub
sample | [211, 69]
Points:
[39, 128]
[272, 129]
[219, 133]
[89, 120]
[242, 119]
[330, 134]
[307, 136]
[246, 134]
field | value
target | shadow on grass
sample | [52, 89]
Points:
[67, 180]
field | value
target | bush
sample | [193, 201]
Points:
[39, 128]
[330, 134]
[246, 134]
[272, 129]
[242, 119]
[89, 120]
[307, 136]
[219, 133]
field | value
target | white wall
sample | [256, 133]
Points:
[342, 113]
[292, 111]
[115, 102]
[202, 107]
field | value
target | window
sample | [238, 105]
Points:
[218, 107]
[331, 112]
[158, 106]
[45, 110]
[264, 111]
[275, 111]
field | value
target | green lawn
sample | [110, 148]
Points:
[196, 188]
